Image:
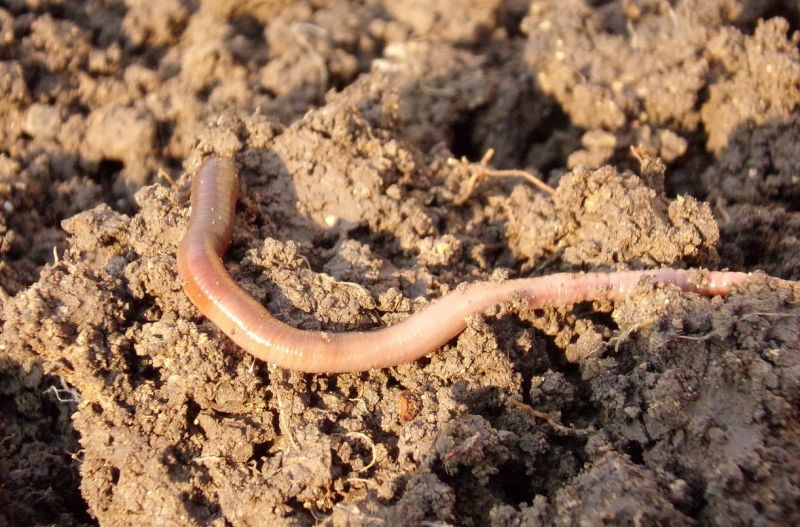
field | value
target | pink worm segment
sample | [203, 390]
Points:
[217, 295]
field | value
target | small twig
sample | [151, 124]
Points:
[481, 169]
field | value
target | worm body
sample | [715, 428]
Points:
[216, 294]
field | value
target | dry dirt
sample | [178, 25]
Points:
[669, 128]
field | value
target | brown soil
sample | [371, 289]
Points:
[670, 130]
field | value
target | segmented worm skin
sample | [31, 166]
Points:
[217, 295]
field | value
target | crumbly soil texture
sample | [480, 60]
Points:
[364, 132]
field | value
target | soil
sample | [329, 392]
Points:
[670, 131]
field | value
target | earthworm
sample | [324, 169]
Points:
[216, 294]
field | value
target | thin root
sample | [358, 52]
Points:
[616, 341]
[481, 169]
[552, 421]
[72, 394]
[362, 481]
[770, 314]
[210, 459]
[368, 441]
[701, 338]
[463, 448]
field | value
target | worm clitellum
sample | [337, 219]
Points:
[217, 295]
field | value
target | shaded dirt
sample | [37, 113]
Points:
[121, 405]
